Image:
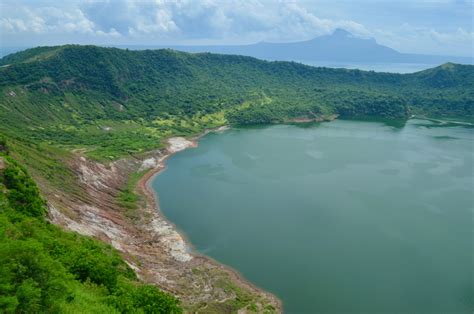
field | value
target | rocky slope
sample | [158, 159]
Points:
[148, 242]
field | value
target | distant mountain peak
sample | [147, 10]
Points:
[340, 32]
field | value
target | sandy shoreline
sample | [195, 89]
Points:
[152, 199]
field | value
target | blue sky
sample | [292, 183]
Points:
[418, 26]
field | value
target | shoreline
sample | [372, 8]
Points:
[152, 246]
[155, 248]
[152, 199]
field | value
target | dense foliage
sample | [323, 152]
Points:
[110, 102]
[116, 102]
[44, 269]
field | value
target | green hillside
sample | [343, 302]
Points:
[47, 270]
[109, 103]
[116, 101]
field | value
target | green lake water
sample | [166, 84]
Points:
[338, 217]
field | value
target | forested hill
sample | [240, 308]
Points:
[64, 94]
[60, 104]
[47, 270]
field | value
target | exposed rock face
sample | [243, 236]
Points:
[148, 242]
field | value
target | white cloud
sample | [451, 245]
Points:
[243, 20]
[160, 22]
[12, 25]
[216, 21]
[409, 38]
[43, 20]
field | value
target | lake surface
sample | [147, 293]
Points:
[338, 217]
[391, 67]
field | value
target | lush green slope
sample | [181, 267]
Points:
[45, 269]
[110, 102]
[115, 101]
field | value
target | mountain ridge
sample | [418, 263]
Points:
[89, 121]
[42, 90]
[340, 46]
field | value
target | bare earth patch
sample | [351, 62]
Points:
[148, 242]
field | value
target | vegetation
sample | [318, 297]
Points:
[45, 269]
[109, 103]
[115, 102]
[127, 198]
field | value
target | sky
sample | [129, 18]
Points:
[442, 27]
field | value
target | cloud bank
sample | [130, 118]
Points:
[205, 21]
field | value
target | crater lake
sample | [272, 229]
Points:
[336, 217]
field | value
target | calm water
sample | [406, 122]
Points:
[339, 217]
[374, 66]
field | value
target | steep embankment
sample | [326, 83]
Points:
[89, 122]
[148, 242]
[47, 270]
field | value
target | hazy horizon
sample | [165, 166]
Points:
[435, 27]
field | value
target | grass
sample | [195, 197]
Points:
[112, 103]
[48, 270]
[127, 197]
[47, 163]
[87, 299]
